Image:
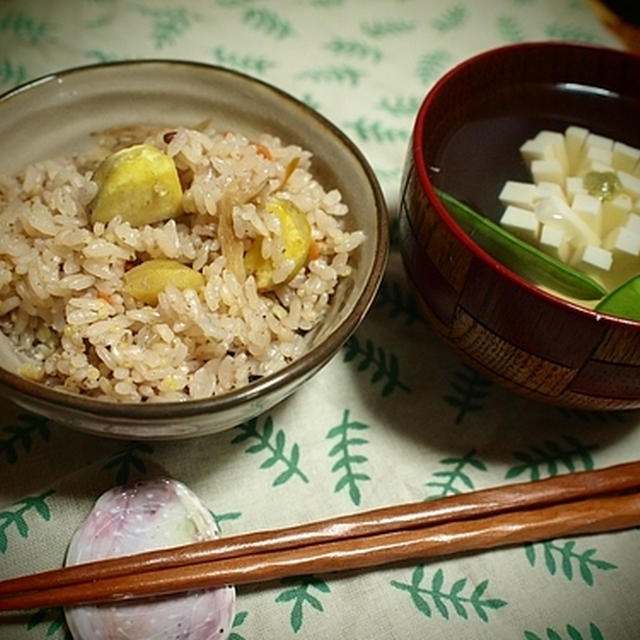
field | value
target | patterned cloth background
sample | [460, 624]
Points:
[395, 416]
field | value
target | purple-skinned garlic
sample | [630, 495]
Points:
[150, 514]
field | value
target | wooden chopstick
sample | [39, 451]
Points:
[509, 514]
[574, 486]
[607, 513]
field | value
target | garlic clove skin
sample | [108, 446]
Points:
[150, 514]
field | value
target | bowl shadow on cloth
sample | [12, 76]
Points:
[449, 407]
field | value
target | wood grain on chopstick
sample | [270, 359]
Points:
[505, 515]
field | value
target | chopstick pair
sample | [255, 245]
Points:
[576, 503]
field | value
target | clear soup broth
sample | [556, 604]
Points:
[473, 160]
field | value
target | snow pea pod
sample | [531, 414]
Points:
[527, 261]
[623, 301]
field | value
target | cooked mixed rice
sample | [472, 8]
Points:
[63, 303]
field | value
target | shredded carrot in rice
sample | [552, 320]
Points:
[314, 252]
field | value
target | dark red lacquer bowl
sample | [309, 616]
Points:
[465, 141]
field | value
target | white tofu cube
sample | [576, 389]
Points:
[599, 154]
[595, 140]
[557, 213]
[518, 194]
[615, 212]
[545, 189]
[573, 185]
[574, 139]
[594, 165]
[624, 246]
[547, 171]
[594, 262]
[547, 145]
[536, 150]
[521, 222]
[554, 242]
[625, 158]
[553, 210]
[633, 222]
[624, 240]
[589, 209]
[630, 184]
[556, 139]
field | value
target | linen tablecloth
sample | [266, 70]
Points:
[395, 416]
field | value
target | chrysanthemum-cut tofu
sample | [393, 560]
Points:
[589, 209]
[147, 280]
[554, 242]
[296, 236]
[587, 202]
[140, 184]
[518, 194]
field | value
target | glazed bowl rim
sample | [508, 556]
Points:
[298, 369]
[419, 162]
